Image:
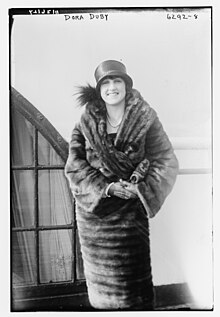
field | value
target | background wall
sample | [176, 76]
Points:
[170, 63]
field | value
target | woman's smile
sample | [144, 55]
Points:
[112, 94]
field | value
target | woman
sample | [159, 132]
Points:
[121, 167]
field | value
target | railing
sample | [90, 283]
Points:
[193, 145]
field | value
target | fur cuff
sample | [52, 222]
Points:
[151, 206]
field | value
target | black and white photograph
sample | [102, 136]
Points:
[111, 159]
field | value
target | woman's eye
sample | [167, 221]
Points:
[105, 82]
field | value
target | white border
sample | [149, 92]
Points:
[4, 126]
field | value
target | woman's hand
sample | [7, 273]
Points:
[130, 187]
[118, 189]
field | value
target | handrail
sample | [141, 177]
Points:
[195, 171]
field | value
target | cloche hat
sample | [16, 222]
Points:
[112, 68]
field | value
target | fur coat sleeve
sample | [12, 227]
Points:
[162, 170]
[87, 183]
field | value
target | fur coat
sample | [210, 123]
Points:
[114, 233]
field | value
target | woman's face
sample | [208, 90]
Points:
[113, 90]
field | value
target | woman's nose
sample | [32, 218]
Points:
[111, 85]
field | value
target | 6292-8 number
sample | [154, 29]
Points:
[181, 16]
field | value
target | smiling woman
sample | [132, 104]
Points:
[121, 167]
